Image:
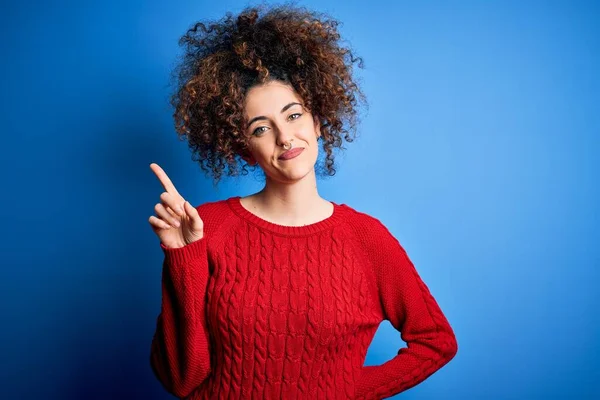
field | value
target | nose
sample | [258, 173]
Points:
[283, 135]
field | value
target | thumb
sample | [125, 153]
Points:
[193, 214]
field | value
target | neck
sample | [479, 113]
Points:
[291, 202]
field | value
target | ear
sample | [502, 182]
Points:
[317, 126]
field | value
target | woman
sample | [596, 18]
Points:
[278, 294]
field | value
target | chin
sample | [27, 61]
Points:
[292, 172]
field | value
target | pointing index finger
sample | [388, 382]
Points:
[163, 178]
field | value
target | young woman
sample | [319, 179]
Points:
[279, 294]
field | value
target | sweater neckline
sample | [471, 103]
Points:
[336, 217]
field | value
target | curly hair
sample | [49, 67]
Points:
[224, 59]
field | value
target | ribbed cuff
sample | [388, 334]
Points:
[187, 253]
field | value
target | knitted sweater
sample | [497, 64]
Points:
[259, 310]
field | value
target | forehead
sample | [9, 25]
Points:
[269, 98]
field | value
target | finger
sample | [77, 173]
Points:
[163, 178]
[158, 223]
[173, 202]
[166, 216]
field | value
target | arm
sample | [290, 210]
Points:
[180, 356]
[409, 306]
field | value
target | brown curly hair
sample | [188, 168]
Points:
[224, 59]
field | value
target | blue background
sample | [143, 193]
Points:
[479, 151]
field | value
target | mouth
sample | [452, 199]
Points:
[291, 153]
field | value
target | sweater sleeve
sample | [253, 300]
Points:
[180, 347]
[409, 306]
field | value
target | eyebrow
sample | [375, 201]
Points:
[284, 109]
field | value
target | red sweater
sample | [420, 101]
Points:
[259, 310]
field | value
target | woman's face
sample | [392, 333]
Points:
[276, 116]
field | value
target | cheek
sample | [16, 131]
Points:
[261, 151]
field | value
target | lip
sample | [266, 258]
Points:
[291, 153]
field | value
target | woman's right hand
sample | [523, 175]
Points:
[176, 223]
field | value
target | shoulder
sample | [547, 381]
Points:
[362, 222]
[214, 214]
[372, 234]
[212, 208]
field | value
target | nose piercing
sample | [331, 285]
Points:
[288, 145]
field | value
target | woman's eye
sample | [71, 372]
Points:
[256, 131]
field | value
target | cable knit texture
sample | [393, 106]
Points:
[256, 310]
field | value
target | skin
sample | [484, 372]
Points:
[289, 197]
[177, 223]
